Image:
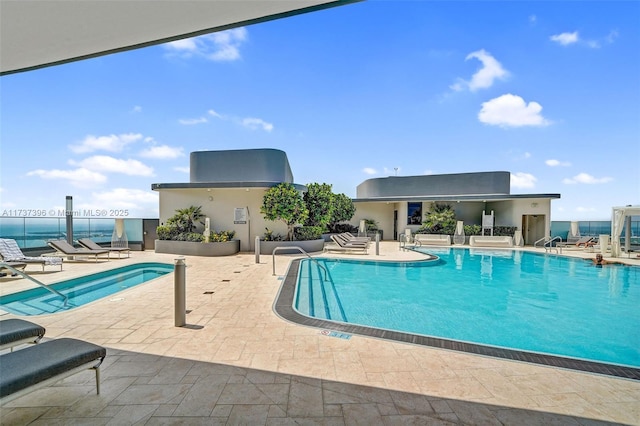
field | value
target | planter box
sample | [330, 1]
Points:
[189, 248]
[310, 246]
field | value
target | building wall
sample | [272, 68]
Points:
[449, 184]
[221, 210]
[240, 165]
[506, 213]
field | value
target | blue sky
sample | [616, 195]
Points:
[547, 90]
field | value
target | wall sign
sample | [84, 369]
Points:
[240, 215]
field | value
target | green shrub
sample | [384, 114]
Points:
[504, 231]
[270, 236]
[165, 232]
[222, 236]
[305, 233]
[190, 236]
[472, 230]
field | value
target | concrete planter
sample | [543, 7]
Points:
[189, 248]
[310, 246]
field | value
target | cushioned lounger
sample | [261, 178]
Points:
[92, 245]
[43, 364]
[14, 332]
[63, 248]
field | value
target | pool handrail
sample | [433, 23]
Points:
[30, 278]
[273, 256]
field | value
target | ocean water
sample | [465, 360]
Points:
[35, 232]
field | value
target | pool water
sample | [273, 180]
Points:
[512, 299]
[82, 290]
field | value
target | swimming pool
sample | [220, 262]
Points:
[82, 290]
[520, 301]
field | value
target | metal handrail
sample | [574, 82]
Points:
[273, 256]
[30, 278]
[541, 239]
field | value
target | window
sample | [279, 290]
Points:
[414, 214]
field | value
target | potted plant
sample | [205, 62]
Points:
[284, 203]
[180, 236]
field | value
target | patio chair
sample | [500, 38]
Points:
[10, 252]
[342, 245]
[88, 243]
[63, 248]
[14, 332]
[582, 242]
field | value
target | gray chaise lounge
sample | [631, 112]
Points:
[63, 248]
[14, 332]
[28, 369]
[88, 243]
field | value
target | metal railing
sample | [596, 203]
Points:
[30, 278]
[301, 250]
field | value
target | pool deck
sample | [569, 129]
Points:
[237, 362]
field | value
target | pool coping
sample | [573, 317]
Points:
[283, 306]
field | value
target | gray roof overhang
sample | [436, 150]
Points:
[454, 198]
[226, 185]
[41, 33]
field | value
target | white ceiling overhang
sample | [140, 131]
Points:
[41, 33]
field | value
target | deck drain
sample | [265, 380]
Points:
[236, 272]
[225, 281]
[208, 292]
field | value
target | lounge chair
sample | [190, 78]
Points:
[12, 265]
[43, 364]
[582, 242]
[88, 243]
[352, 237]
[344, 246]
[14, 332]
[10, 252]
[63, 248]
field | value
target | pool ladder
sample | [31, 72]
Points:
[548, 244]
[30, 278]
[301, 250]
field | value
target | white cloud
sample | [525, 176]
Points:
[81, 178]
[586, 178]
[485, 76]
[137, 202]
[136, 109]
[555, 163]
[255, 123]
[104, 163]
[111, 143]
[192, 121]
[523, 180]
[182, 169]
[533, 19]
[215, 114]
[613, 34]
[565, 39]
[220, 46]
[123, 198]
[585, 209]
[369, 171]
[511, 111]
[162, 152]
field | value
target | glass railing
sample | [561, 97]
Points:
[595, 228]
[31, 232]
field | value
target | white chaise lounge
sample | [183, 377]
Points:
[490, 241]
[432, 239]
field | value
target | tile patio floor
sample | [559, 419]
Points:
[237, 362]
